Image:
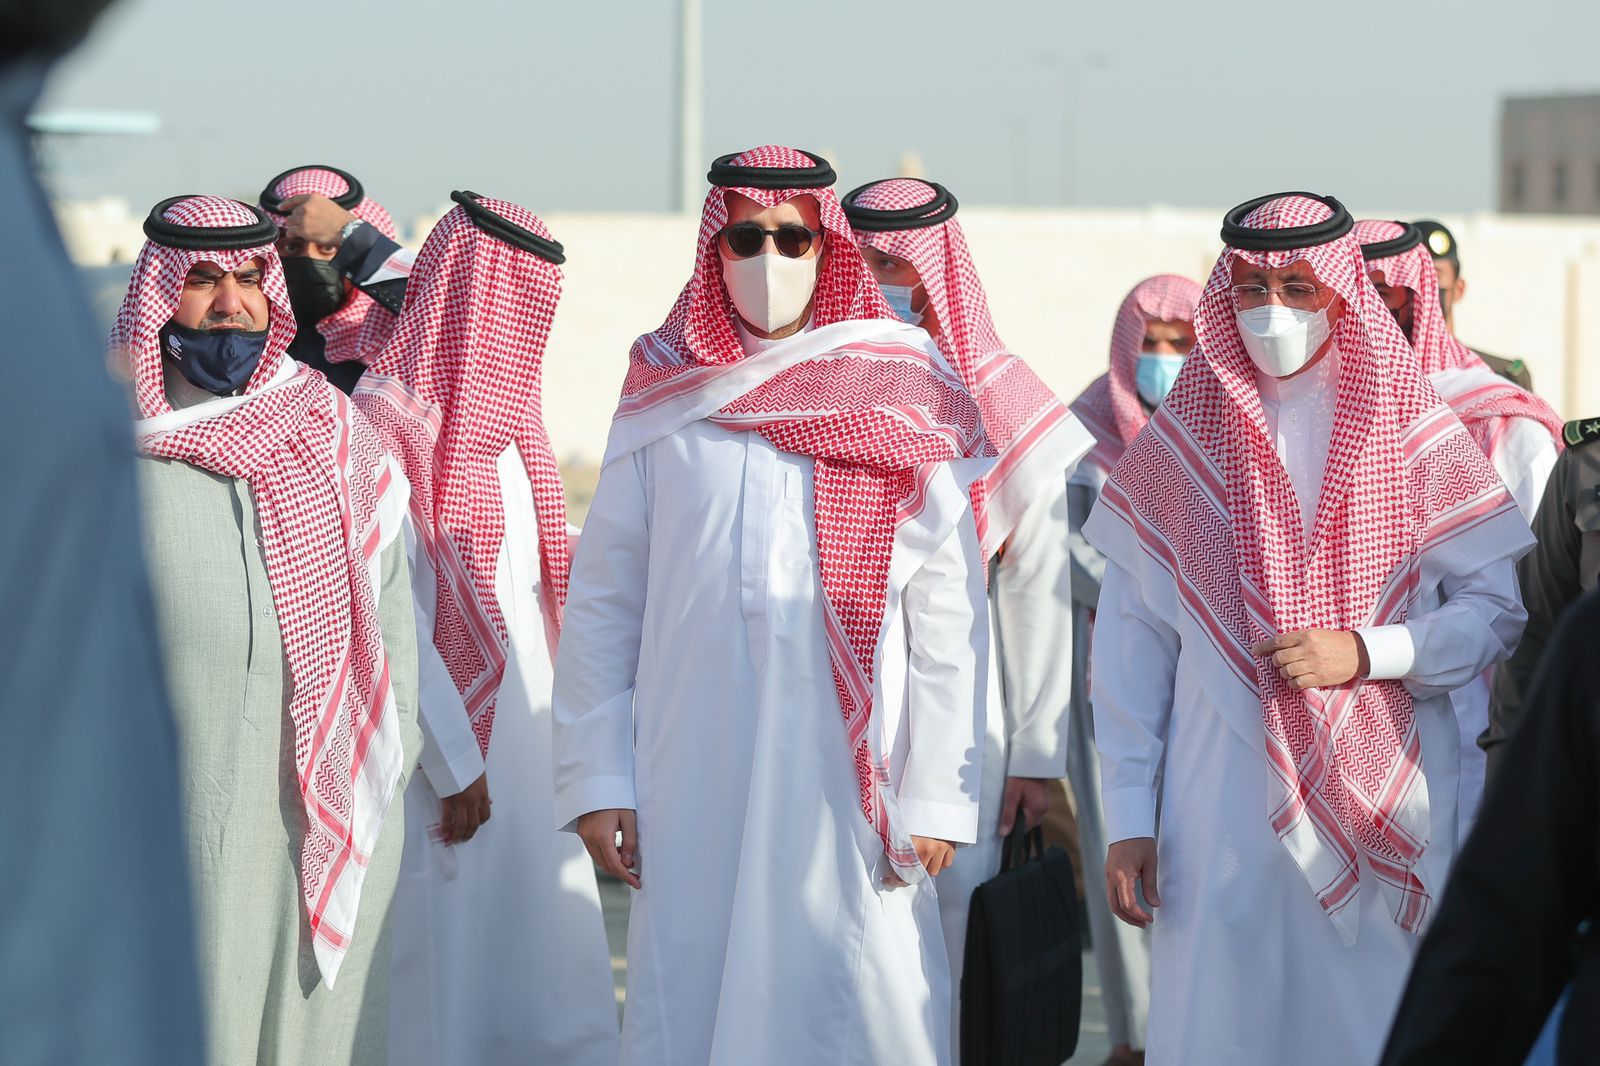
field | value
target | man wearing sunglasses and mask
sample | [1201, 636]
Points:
[346, 273]
[768, 693]
[1306, 553]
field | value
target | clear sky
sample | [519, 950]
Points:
[1388, 104]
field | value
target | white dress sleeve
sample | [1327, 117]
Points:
[1438, 651]
[450, 756]
[1524, 460]
[598, 658]
[1134, 665]
[947, 615]
[1033, 636]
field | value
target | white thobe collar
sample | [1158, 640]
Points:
[753, 344]
[1299, 413]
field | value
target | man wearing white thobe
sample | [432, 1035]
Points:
[500, 952]
[915, 247]
[701, 675]
[1306, 554]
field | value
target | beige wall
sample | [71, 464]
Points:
[1054, 278]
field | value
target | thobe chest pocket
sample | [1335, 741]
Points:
[267, 669]
[793, 535]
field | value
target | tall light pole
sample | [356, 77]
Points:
[1072, 70]
[691, 156]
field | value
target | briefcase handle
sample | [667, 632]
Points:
[1022, 845]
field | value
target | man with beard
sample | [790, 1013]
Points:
[273, 519]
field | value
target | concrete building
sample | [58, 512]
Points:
[1550, 155]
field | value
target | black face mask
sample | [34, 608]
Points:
[316, 289]
[217, 360]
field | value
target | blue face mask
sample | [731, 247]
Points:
[899, 297]
[217, 360]
[1154, 376]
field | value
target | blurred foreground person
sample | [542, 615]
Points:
[1446, 255]
[345, 272]
[1152, 336]
[1305, 553]
[774, 649]
[272, 527]
[96, 938]
[500, 949]
[1518, 431]
[1563, 566]
[1517, 922]
[914, 246]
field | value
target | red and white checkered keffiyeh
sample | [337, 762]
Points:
[1209, 500]
[327, 500]
[459, 383]
[1036, 437]
[361, 326]
[875, 415]
[1485, 402]
[1111, 406]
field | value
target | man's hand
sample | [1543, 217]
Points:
[1316, 658]
[1029, 794]
[1128, 862]
[461, 815]
[599, 829]
[936, 856]
[316, 219]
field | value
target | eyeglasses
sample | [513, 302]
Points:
[1297, 294]
[745, 239]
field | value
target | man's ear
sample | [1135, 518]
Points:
[1459, 289]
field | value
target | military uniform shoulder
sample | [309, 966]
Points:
[1512, 369]
[1580, 431]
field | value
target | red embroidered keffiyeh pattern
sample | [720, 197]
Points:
[1488, 402]
[459, 383]
[1030, 428]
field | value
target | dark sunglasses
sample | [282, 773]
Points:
[745, 239]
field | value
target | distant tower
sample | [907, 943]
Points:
[691, 180]
[910, 165]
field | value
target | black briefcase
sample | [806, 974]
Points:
[1022, 984]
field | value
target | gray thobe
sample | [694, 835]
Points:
[264, 997]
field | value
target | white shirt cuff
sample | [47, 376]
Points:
[1391, 652]
[449, 776]
[1026, 761]
[1129, 812]
[593, 794]
[955, 822]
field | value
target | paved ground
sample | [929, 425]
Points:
[1092, 1045]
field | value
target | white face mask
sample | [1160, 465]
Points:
[1281, 340]
[770, 291]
